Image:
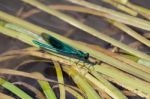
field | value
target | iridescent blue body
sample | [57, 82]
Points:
[57, 46]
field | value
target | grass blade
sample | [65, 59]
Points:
[60, 80]
[9, 86]
[49, 93]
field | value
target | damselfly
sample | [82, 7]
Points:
[60, 47]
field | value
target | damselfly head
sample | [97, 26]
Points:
[83, 55]
[86, 56]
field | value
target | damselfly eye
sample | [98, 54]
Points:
[86, 56]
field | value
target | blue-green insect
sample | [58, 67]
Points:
[57, 46]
